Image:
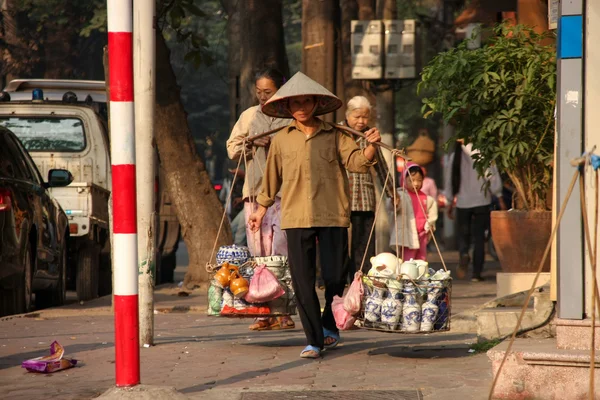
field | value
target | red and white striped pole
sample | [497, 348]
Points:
[122, 148]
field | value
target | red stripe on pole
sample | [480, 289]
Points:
[127, 347]
[124, 207]
[120, 60]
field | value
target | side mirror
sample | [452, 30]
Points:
[59, 178]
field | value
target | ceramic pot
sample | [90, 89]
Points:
[409, 269]
[215, 297]
[224, 274]
[227, 299]
[411, 311]
[520, 238]
[443, 303]
[391, 310]
[373, 305]
[238, 286]
[429, 312]
[233, 254]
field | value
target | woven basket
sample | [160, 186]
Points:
[405, 306]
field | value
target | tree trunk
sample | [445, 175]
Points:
[366, 9]
[198, 209]
[320, 24]
[351, 10]
[385, 95]
[261, 44]
[233, 59]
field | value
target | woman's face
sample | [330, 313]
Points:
[265, 89]
[302, 108]
[359, 118]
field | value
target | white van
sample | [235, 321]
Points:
[64, 124]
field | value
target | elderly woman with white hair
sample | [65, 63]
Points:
[362, 188]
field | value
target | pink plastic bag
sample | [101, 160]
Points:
[343, 320]
[264, 286]
[353, 299]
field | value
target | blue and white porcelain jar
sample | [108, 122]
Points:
[236, 255]
[391, 310]
[411, 310]
[373, 305]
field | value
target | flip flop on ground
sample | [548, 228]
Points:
[334, 338]
[311, 352]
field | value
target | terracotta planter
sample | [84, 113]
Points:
[520, 238]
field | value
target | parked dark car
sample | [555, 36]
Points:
[33, 231]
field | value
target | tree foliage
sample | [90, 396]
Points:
[501, 98]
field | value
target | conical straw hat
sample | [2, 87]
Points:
[301, 85]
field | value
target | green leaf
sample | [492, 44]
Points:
[177, 14]
[193, 9]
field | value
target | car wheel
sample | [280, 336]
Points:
[88, 260]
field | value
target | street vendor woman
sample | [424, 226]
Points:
[306, 161]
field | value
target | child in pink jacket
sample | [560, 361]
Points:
[415, 216]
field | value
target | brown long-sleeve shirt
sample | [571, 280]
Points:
[310, 173]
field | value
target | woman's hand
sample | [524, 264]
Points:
[255, 219]
[262, 142]
[373, 135]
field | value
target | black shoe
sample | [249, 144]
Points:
[477, 279]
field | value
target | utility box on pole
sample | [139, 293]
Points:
[367, 49]
[401, 44]
[385, 49]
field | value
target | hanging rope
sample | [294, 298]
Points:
[377, 208]
[211, 267]
[535, 279]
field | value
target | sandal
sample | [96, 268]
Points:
[332, 335]
[260, 325]
[310, 352]
[286, 322]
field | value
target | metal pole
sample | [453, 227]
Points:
[144, 57]
[122, 149]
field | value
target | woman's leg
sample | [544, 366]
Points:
[463, 219]
[333, 251]
[302, 257]
[481, 218]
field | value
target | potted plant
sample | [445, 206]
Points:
[501, 98]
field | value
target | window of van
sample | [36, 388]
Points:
[47, 134]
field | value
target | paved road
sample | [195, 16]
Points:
[217, 358]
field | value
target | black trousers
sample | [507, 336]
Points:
[362, 222]
[302, 256]
[472, 223]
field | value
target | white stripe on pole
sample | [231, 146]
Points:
[123, 144]
[125, 249]
[121, 16]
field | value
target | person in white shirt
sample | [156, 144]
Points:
[471, 195]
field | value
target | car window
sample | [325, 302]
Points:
[12, 162]
[35, 173]
[47, 134]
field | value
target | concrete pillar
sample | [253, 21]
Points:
[569, 249]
